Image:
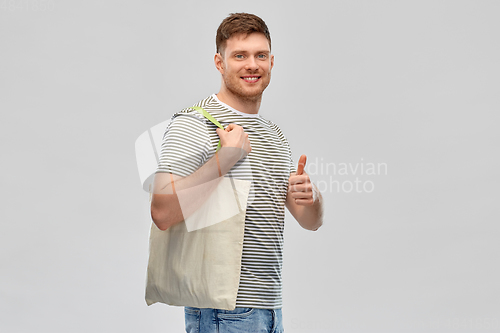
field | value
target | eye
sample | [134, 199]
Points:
[262, 56]
[239, 56]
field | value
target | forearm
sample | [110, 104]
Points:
[165, 206]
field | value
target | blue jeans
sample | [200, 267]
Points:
[239, 320]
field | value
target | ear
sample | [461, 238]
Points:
[219, 62]
[272, 61]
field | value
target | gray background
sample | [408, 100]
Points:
[412, 84]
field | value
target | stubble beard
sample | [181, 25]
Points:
[237, 90]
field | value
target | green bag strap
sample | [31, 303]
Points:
[213, 120]
[209, 117]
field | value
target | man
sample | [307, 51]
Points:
[244, 61]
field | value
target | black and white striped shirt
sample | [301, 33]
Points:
[190, 140]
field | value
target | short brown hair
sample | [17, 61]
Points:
[239, 23]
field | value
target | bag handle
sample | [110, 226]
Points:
[209, 117]
[216, 123]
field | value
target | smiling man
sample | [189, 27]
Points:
[244, 61]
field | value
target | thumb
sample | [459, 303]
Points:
[302, 164]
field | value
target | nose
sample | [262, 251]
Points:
[252, 64]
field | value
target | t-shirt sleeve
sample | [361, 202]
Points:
[293, 167]
[185, 146]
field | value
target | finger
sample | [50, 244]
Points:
[300, 187]
[230, 127]
[304, 202]
[302, 164]
[301, 195]
[296, 179]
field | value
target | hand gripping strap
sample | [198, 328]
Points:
[209, 117]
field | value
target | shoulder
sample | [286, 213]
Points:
[274, 127]
[191, 116]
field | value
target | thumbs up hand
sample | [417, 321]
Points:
[299, 185]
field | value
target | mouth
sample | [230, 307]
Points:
[251, 78]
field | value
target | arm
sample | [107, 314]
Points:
[303, 200]
[165, 208]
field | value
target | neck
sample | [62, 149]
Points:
[249, 105]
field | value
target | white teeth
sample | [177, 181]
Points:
[254, 78]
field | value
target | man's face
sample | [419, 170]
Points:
[246, 65]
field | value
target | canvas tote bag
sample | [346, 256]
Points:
[197, 262]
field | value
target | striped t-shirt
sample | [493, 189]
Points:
[190, 140]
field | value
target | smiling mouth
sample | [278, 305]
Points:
[250, 78]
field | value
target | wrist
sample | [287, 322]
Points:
[227, 157]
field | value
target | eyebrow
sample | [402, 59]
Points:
[242, 51]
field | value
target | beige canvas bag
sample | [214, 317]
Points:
[197, 262]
